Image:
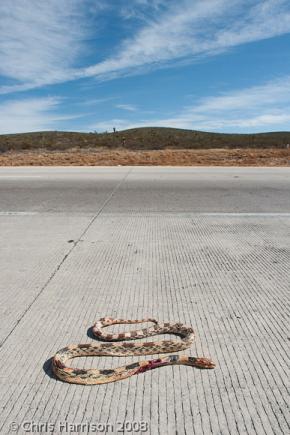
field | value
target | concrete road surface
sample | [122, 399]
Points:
[209, 247]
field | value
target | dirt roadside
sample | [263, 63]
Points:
[167, 157]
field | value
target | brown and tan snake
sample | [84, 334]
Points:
[117, 346]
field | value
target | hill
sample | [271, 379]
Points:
[149, 138]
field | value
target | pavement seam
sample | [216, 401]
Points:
[65, 257]
[103, 206]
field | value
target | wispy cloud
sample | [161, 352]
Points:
[129, 107]
[143, 9]
[265, 107]
[96, 101]
[31, 114]
[41, 41]
[197, 29]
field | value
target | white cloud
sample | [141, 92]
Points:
[142, 9]
[129, 107]
[30, 114]
[258, 108]
[165, 38]
[194, 29]
[274, 93]
[41, 40]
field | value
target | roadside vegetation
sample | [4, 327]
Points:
[142, 139]
[145, 146]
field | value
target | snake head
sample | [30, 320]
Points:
[202, 363]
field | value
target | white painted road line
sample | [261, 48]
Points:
[247, 214]
[19, 176]
[18, 213]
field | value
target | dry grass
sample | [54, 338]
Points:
[146, 139]
[167, 157]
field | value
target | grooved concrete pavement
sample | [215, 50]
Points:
[204, 246]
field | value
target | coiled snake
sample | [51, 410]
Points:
[94, 376]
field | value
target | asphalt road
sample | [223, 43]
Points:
[209, 247]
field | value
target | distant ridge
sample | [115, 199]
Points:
[147, 138]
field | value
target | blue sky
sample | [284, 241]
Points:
[86, 65]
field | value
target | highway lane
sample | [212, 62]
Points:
[145, 189]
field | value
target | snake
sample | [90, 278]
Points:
[116, 345]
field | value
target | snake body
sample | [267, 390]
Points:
[118, 346]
